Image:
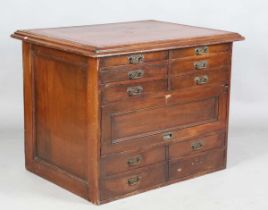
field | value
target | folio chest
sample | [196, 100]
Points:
[117, 109]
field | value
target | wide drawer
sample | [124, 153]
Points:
[137, 180]
[198, 144]
[134, 59]
[206, 77]
[176, 115]
[134, 72]
[200, 51]
[198, 164]
[137, 89]
[192, 65]
[121, 162]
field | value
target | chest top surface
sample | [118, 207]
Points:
[125, 37]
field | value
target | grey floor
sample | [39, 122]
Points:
[243, 185]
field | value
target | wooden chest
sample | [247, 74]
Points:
[117, 109]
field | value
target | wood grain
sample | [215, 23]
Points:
[87, 134]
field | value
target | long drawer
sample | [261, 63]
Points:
[134, 124]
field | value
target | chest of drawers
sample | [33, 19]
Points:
[117, 109]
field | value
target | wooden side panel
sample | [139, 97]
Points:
[28, 105]
[93, 130]
[54, 127]
[60, 120]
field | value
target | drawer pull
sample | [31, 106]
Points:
[134, 161]
[201, 50]
[135, 59]
[133, 180]
[201, 80]
[137, 74]
[134, 91]
[200, 65]
[197, 145]
[168, 136]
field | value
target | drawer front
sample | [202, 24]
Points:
[166, 117]
[183, 66]
[117, 163]
[200, 51]
[196, 145]
[134, 72]
[135, 124]
[205, 77]
[198, 164]
[137, 180]
[133, 90]
[134, 59]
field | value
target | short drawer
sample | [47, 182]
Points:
[125, 91]
[134, 72]
[121, 162]
[134, 59]
[137, 180]
[184, 66]
[200, 51]
[199, 144]
[198, 164]
[203, 78]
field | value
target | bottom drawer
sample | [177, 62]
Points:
[136, 180]
[202, 163]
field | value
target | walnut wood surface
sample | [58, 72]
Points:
[107, 39]
[87, 134]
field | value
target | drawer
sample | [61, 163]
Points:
[206, 77]
[135, 181]
[183, 66]
[134, 72]
[133, 124]
[121, 162]
[131, 90]
[200, 51]
[198, 164]
[200, 144]
[134, 59]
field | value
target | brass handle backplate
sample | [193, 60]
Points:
[197, 145]
[133, 180]
[200, 80]
[134, 161]
[167, 136]
[134, 91]
[135, 59]
[200, 65]
[201, 50]
[137, 74]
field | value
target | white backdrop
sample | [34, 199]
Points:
[249, 112]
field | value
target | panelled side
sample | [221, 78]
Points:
[55, 97]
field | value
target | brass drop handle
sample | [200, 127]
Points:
[134, 180]
[135, 59]
[168, 136]
[200, 65]
[137, 74]
[134, 91]
[200, 80]
[197, 145]
[201, 50]
[134, 161]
